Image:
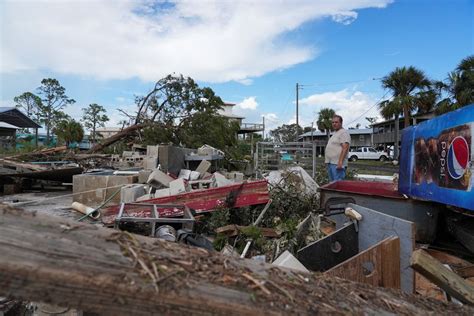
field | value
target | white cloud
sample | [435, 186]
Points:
[248, 104]
[213, 41]
[354, 106]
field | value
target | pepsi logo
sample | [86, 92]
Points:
[458, 157]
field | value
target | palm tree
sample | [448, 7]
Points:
[69, 131]
[324, 120]
[459, 86]
[410, 91]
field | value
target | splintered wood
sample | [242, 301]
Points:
[103, 271]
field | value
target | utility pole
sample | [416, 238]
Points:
[297, 97]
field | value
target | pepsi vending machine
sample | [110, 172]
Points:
[437, 157]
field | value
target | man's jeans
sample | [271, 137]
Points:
[334, 173]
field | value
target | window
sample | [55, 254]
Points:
[361, 138]
[372, 150]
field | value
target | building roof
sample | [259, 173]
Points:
[428, 115]
[357, 131]
[7, 126]
[13, 116]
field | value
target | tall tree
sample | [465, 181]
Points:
[459, 87]
[54, 99]
[94, 116]
[408, 87]
[324, 120]
[29, 102]
[69, 131]
[286, 133]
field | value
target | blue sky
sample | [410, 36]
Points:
[250, 52]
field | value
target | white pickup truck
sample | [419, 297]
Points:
[367, 153]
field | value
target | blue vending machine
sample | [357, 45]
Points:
[436, 159]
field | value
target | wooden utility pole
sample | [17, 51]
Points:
[297, 104]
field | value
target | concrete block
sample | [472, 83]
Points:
[158, 177]
[287, 260]
[150, 163]
[184, 174]
[145, 197]
[194, 175]
[236, 176]
[93, 189]
[220, 180]
[152, 151]
[131, 193]
[177, 186]
[143, 175]
[162, 193]
[203, 167]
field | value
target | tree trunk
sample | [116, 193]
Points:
[114, 138]
[95, 269]
[406, 114]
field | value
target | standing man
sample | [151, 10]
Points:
[337, 148]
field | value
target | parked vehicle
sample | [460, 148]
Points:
[367, 153]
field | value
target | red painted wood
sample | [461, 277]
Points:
[206, 200]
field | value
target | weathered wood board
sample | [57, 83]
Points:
[376, 226]
[377, 266]
[331, 250]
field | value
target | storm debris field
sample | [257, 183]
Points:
[164, 229]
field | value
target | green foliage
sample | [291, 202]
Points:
[286, 133]
[410, 90]
[53, 100]
[69, 131]
[324, 120]
[459, 87]
[93, 117]
[30, 103]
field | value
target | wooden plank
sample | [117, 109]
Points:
[375, 227]
[378, 266]
[331, 250]
[443, 277]
[90, 268]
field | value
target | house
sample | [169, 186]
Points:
[245, 128]
[359, 137]
[12, 119]
[384, 132]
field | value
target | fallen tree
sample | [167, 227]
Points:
[115, 138]
[95, 269]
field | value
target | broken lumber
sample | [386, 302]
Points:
[446, 279]
[99, 270]
[115, 138]
[201, 201]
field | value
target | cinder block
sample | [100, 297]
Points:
[177, 186]
[131, 193]
[236, 176]
[150, 163]
[143, 175]
[184, 174]
[162, 193]
[145, 197]
[152, 151]
[194, 175]
[203, 167]
[219, 180]
[158, 177]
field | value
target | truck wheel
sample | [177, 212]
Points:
[382, 158]
[353, 158]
